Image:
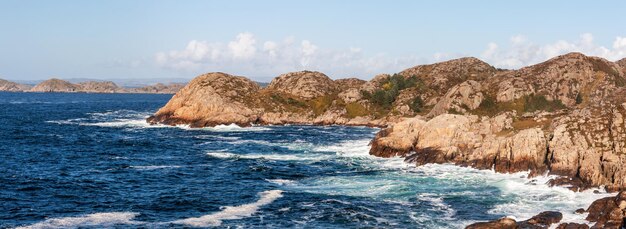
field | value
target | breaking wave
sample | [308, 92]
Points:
[232, 212]
[109, 219]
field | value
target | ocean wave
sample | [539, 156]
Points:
[523, 197]
[275, 157]
[108, 219]
[232, 212]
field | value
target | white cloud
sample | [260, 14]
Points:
[243, 47]
[240, 57]
[244, 55]
[521, 52]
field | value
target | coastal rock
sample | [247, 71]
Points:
[211, 99]
[608, 212]
[397, 140]
[6, 85]
[55, 85]
[539, 221]
[305, 84]
[503, 223]
[542, 220]
[572, 226]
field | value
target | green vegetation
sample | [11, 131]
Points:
[539, 102]
[390, 90]
[289, 101]
[355, 110]
[321, 104]
[417, 104]
[528, 103]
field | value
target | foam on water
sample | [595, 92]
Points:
[133, 119]
[108, 219]
[153, 167]
[275, 157]
[280, 181]
[232, 212]
[524, 197]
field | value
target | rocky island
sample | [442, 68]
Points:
[563, 117]
[12, 86]
[58, 85]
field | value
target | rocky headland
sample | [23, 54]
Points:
[12, 86]
[58, 85]
[563, 117]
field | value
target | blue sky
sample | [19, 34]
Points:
[261, 39]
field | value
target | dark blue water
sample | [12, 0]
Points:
[89, 160]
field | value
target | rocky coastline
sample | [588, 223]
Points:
[58, 85]
[563, 117]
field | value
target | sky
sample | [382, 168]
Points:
[120, 39]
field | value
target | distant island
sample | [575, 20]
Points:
[58, 85]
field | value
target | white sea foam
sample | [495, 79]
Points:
[280, 181]
[275, 157]
[153, 167]
[523, 197]
[108, 219]
[232, 212]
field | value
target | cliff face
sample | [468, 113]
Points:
[564, 116]
[12, 86]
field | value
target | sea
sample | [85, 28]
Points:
[77, 160]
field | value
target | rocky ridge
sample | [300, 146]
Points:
[304, 97]
[58, 85]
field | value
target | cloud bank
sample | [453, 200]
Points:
[522, 52]
[246, 55]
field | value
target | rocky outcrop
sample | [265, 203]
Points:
[211, 99]
[294, 98]
[305, 84]
[55, 85]
[460, 99]
[608, 212]
[6, 85]
[564, 116]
